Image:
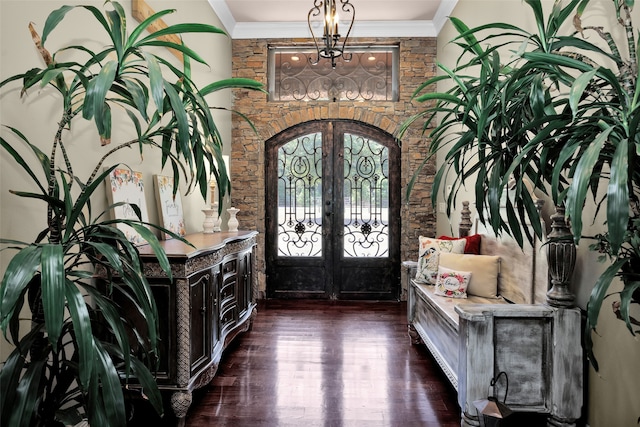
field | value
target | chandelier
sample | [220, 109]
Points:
[329, 46]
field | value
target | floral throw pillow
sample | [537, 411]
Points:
[429, 256]
[452, 283]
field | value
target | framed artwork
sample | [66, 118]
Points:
[125, 185]
[169, 208]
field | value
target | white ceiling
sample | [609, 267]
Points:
[251, 19]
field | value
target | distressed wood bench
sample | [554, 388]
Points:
[537, 345]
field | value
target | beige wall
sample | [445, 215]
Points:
[37, 116]
[614, 391]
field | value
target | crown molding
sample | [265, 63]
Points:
[384, 29]
[380, 29]
[443, 13]
[224, 14]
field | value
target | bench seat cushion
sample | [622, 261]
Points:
[446, 306]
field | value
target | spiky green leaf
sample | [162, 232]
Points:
[53, 296]
[578, 189]
[618, 196]
[83, 332]
[21, 269]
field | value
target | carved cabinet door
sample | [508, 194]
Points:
[201, 322]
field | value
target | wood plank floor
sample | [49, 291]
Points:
[326, 363]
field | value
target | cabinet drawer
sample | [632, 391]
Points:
[226, 315]
[230, 267]
[228, 291]
[225, 304]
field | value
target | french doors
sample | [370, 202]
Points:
[333, 212]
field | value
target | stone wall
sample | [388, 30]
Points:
[417, 63]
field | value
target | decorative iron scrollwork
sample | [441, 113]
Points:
[299, 197]
[366, 189]
[365, 208]
[371, 75]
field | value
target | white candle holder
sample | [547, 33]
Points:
[233, 221]
[216, 217]
[209, 220]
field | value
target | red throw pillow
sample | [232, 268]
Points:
[472, 245]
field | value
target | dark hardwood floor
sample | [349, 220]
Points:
[326, 363]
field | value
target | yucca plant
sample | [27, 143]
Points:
[76, 355]
[542, 108]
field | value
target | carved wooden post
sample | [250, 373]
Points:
[561, 253]
[465, 220]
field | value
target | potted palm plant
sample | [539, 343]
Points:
[71, 361]
[542, 108]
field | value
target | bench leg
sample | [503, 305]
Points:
[414, 336]
[557, 422]
[469, 420]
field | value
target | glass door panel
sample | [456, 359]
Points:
[366, 197]
[300, 197]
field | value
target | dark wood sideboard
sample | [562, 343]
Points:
[207, 304]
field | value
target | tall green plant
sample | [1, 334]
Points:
[543, 107]
[70, 362]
